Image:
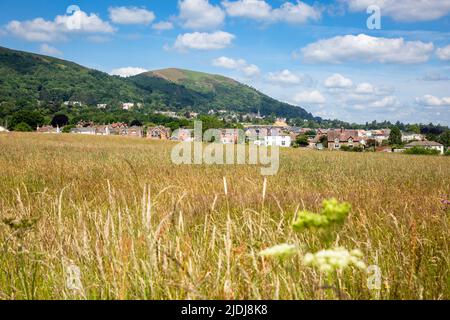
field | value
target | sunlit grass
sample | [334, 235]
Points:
[139, 227]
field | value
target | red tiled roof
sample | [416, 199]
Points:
[344, 135]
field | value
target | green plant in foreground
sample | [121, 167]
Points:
[333, 213]
[281, 251]
[329, 261]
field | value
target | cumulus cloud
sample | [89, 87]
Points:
[444, 53]
[311, 97]
[432, 101]
[366, 48]
[338, 81]
[127, 71]
[131, 15]
[41, 30]
[203, 41]
[163, 25]
[404, 10]
[49, 50]
[285, 77]
[200, 15]
[386, 102]
[365, 88]
[288, 12]
[229, 63]
[249, 70]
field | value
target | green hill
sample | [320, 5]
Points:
[219, 92]
[31, 77]
[35, 77]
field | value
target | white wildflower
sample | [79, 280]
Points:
[328, 261]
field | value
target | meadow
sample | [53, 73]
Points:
[132, 225]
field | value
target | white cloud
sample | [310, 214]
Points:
[41, 30]
[253, 9]
[131, 15]
[285, 77]
[404, 10]
[432, 101]
[288, 12]
[163, 25]
[200, 15]
[366, 48]
[444, 53]
[386, 102]
[249, 70]
[338, 81]
[203, 41]
[365, 88]
[49, 50]
[229, 63]
[312, 97]
[127, 71]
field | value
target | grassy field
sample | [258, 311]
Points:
[139, 227]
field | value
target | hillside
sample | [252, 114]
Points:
[219, 92]
[31, 77]
[35, 77]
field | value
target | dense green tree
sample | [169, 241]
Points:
[302, 141]
[444, 138]
[395, 138]
[32, 118]
[413, 128]
[60, 120]
[135, 123]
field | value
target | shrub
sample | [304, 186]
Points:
[302, 141]
[67, 129]
[352, 149]
[23, 127]
[422, 151]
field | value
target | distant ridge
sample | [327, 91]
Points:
[29, 76]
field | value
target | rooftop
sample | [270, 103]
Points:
[424, 144]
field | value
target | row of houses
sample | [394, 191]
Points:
[357, 138]
[122, 129]
[279, 136]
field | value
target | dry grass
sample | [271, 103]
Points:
[139, 227]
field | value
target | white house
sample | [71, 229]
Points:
[276, 141]
[127, 105]
[73, 103]
[3, 129]
[406, 137]
[85, 131]
[427, 145]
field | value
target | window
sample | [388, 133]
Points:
[336, 144]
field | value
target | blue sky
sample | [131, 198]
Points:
[318, 55]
